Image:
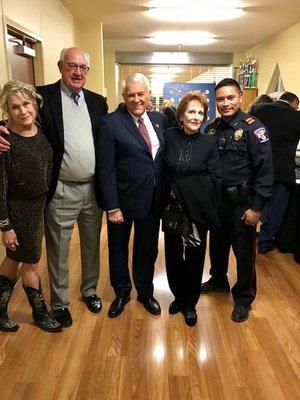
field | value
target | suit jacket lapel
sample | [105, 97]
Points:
[56, 108]
[90, 104]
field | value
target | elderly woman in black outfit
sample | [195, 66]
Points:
[192, 179]
[24, 178]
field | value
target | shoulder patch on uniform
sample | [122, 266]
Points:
[261, 135]
[250, 120]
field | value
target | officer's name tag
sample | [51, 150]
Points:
[261, 135]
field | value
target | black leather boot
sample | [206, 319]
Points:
[40, 314]
[6, 289]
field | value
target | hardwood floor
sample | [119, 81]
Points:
[141, 357]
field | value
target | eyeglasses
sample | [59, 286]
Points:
[73, 67]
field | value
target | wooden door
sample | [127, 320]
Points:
[22, 68]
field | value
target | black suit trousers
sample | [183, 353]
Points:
[145, 250]
[234, 232]
[185, 268]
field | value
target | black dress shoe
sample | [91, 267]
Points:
[63, 316]
[174, 308]
[240, 313]
[93, 303]
[211, 287]
[150, 304]
[190, 316]
[117, 306]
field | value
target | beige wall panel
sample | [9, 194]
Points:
[110, 79]
[91, 40]
[26, 13]
[58, 32]
[283, 49]
[49, 19]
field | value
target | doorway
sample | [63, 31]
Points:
[22, 66]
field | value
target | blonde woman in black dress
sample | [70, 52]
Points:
[24, 177]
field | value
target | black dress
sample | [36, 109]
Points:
[25, 173]
[188, 157]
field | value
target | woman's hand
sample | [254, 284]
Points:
[4, 144]
[251, 217]
[116, 217]
[10, 240]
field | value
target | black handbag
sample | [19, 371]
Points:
[175, 220]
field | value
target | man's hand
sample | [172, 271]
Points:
[172, 194]
[116, 217]
[4, 144]
[10, 240]
[251, 217]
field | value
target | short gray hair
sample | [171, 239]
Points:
[136, 77]
[63, 54]
[18, 87]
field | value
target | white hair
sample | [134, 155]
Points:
[136, 77]
[63, 54]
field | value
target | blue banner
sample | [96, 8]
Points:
[176, 90]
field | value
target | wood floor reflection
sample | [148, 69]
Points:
[141, 357]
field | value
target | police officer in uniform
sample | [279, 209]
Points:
[246, 160]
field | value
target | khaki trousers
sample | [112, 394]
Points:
[72, 202]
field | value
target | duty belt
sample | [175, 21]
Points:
[237, 194]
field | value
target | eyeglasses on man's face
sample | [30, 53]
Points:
[73, 67]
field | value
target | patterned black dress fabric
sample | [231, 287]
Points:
[25, 172]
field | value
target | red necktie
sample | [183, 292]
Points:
[144, 133]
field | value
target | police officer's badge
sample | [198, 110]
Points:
[261, 135]
[238, 134]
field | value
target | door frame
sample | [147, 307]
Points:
[9, 25]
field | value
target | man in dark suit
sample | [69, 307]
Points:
[283, 123]
[129, 171]
[70, 119]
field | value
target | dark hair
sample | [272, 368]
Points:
[263, 98]
[289, 96]
[194, 95]
[228, 82]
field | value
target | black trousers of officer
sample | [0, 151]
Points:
[234, 232]
[184, 268]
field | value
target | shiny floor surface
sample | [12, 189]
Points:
[141, 357]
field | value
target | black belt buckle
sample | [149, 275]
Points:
[237, 194]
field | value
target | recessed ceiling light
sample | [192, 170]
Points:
[190, 38]
[177, 57]
[195, 13]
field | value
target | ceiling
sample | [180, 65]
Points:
[127, 27]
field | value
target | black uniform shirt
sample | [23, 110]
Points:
[246, 155]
